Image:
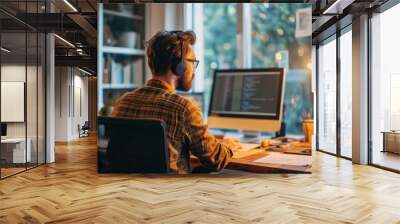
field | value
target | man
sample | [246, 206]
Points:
[172, 62]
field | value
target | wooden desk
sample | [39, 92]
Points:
[252, 161]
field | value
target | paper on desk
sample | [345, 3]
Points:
[285, 159]
[248, 146]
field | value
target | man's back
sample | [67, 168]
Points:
[185, 129]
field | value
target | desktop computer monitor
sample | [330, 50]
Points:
[247, 99]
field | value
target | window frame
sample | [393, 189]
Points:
[343, 31]
[192, 13]
[334, 37]
[379, 10]
[43, 38]
[244, 54]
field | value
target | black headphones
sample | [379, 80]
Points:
[178, 65]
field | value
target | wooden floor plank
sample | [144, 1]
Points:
[71, 191]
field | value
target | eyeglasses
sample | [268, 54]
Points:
[194, 61]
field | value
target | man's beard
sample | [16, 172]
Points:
[184, 83]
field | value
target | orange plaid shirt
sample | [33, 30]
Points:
[186, 131]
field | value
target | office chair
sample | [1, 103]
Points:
[84, 129]
[132, 146]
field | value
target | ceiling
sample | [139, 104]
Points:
[76, 22]
[331, 15]
[72, 20]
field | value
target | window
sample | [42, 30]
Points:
[256, 35]
[385, 88]
[274, 44]
[327, 96]
[346, 94]
[219, 44]
[22, 101]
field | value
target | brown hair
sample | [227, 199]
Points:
[165, 46]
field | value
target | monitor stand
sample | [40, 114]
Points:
[250, 136]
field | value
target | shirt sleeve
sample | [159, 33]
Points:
[211, 152]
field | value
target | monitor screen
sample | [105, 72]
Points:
[247, 93]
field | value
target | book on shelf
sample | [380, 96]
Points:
[133, 72]
[107, 69]
[138, 69]
[121, 73]
[127, 73]
[116, 72]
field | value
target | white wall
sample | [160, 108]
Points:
[61, 103]
[12, 73]
[71, 96]
[80, 111]
[173, 19]
[33, 127]
[162, 16]
[178, 16]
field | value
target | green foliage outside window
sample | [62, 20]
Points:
[274, 44]
[220, 21]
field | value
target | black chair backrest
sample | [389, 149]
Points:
[132, 145]
[86, 125]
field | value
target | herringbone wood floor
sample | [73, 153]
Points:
[71, 191]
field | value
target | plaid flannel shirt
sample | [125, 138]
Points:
[187, 134]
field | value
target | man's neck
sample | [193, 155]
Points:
[168, 78]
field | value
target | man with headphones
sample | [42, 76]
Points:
[172, 62]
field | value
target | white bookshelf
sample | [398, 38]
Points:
[114, 81]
